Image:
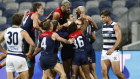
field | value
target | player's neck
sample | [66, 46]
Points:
[109, 22]
[15, 26]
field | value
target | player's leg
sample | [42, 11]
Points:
[3, 64]
[81, 73]
[10, 75]
[24, 74]
[47, 74]
[105, 64]
[31, 70]
[86, 71]
[67, 67]
[74, 71]
[116, 69]
[92, 70]
[60, 70]
[2, 56]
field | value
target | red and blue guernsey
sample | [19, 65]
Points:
[79, 40]
[48, 58]
[80, 56]
[47, 43]
[62, 18]
[28, 24]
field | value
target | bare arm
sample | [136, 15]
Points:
[26, 36]
[118, 33]
[93, 37]
[25, 14]
[56, 16]
[1, 40]
[41, 23]
[55, 36]
[36, 22]
[93, 23]
[38, 49]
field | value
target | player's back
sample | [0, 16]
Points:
[13, 40]
[28, 23]
[79, 41]
[46, 43]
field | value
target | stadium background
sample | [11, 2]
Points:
[125, 12]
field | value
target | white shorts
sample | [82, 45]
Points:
[16, 64]
[115, 56]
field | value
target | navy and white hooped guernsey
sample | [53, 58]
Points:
[109, 37]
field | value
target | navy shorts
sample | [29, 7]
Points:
[80, 58]
[48, 62]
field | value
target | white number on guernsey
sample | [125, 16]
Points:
[25, 20]
[43, 43]
[80, 42]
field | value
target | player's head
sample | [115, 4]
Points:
[48, 25]
[72, 27]
[55, 25]
[105, 16]
[17, 19]
[70, 17]
[79, 10]
[37, 7]
[66, 6]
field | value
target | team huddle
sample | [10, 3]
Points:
[59, 30]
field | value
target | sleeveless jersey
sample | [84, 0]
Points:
[62, 18]
[79, 40]
[28, 24]
[46, 43]
[14, 40]
[109, 37]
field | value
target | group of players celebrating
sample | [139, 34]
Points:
[59, 28]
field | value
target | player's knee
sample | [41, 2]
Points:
[117, 73]
[104, 72]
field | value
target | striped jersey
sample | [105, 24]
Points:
[13, 40]
[109, 37]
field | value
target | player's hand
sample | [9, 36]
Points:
[26, 12]
[110, 51]
[65, 25]
[89, 18]
[71, 40]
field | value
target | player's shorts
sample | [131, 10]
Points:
[66, 54]
[92, 56]
[80, 58]
[16, 64]
[113, 57]
[48, 62]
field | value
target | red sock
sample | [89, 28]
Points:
[0, 66]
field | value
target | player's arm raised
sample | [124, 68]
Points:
[36, 22]
[56, 16]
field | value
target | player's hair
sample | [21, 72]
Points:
[35, 6]
[65, 2]
[105, 13]
[17, 19]
[55, 24]
[47, 25]
[69, 15]
[72, 27]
